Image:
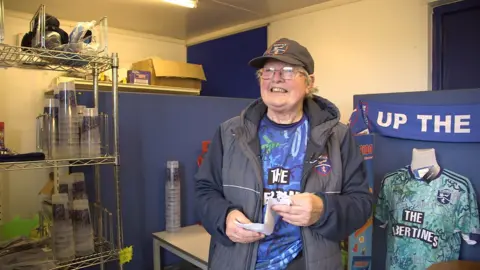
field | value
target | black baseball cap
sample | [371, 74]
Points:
[288, 51]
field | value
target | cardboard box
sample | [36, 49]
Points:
[47, 189]
[171, 73]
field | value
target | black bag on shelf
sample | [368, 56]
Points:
[7, 156]
[52, 28]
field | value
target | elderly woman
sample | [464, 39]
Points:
[289, 143]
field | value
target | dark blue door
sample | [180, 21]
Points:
[456, 46]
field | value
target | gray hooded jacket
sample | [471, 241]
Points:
[231, 177]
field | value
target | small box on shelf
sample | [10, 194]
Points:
[139, 77]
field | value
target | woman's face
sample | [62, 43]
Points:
[283, 86]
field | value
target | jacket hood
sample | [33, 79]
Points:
[320, 111]
[322, 114]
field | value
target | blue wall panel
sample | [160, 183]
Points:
[391, 154]
[154, 129]
[225, 61]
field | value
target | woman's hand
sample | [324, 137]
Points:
[305, 210]
[237, 234]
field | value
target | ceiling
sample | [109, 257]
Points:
[163, 19]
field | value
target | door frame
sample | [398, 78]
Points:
[437, 10]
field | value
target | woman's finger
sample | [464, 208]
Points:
[293, 222]
[243, 233]
[292, 209]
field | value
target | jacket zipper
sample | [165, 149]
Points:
[258, 210]
[251, 247]
[304, 181]
[303, 185]
[258, 203]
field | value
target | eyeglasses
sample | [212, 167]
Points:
[287, 73]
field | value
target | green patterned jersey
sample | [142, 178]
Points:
[426, 220]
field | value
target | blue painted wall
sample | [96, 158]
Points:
[225, 61]
[154, 129]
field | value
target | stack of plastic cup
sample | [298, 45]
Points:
[83, 230]
[47, 128]
[68, 120]
[50, 107]
[79, 189]
[172, 197]
[90, 133]
[62, 229]
[80, 109]
[65, 185]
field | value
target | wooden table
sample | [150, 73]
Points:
[190, 243]
[456, 265]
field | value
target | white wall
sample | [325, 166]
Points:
[359, 46]
[370, 46]
[21, 100]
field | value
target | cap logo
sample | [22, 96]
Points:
[278, 48]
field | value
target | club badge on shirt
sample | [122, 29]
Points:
[444, 196]
[324, 166]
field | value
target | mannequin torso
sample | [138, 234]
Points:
[424, 163]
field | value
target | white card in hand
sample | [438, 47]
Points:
[269, 221]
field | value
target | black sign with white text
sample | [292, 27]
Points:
[424, 235]
[278, 176]
[400, 230]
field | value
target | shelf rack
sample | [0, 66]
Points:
[44, 59]
[86, 85]
[39, 58]
[104, 252]
[55, 163]
[138, 88]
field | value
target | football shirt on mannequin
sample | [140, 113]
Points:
[426, 218]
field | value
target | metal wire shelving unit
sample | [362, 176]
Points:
[55, 163]
[108, 247]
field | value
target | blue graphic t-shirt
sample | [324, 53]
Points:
[283, 150]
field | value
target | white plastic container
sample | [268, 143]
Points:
[173, 197]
